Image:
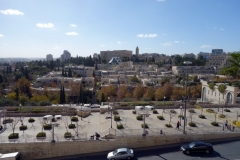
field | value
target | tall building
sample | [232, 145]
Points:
[108, 55]
[205, 55]
[217, 51]
[137, 51]
[189, 55]
[65, 55]
[49, 57]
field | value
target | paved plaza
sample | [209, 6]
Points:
[97, 122]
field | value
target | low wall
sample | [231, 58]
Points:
[40, 150]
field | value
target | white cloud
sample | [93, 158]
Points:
[176, 41]
[166, 44]
[205, 46]
[160, 0]
[56, 46]
[45, 25]
[121, 42]
[147, 35]
[73, 25]
[103, 45]
[222, 29]
[11, 12]
[1, 35]
[4, 44]
[71, 33]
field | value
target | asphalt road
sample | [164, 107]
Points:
[223, 151]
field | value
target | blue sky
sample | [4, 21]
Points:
[31, 28]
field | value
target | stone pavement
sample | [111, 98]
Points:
[97, 122]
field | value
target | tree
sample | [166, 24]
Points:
[222, 88]
[177, 93]
[159, 95]
[14, 123]
[138, 91]
[24, 87]
[149, 93]
[134, 79]
[167, 89]
[102, 98]
[211, 85]
[234, 70]
[122, 91]
[23, 99]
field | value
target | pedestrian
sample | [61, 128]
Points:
[223, 127]
[178, 123]
[230, 127]
[226, 123]
[160, 131]
[233, 128]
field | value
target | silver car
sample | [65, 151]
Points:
[121, 153]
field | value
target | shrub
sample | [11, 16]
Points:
[22, 128]
[120, 126]
[54, 120]
[173, 111]
[12, 109]
[192, 124]
[211, 85]
[74, 119]
[222, 88]
[41, 134]
[214, 123]
[71, 126]
[67, 134]
[117, 118]
[31, 120]
[134, 112]
[168, 125]
[37, 110]
[160, 117]
[146, 126]
[202, 116]
[155, 112]
[227, 110]
[139, 118]
[115, 112]
[221, 116]
[234, 122]
[210, 110]
[47, 126]
[13, 136]
[180, 116]
[45, 103]
[191, 111]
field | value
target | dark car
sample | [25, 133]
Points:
[195, 147]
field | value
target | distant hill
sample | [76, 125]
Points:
[20, 59]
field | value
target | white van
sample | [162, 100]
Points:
[47, 117]
[149, 108]
[10, 156]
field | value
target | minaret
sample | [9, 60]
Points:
[137, 51]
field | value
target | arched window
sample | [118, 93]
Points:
[238, 98]
[229, 98]
[204, 95]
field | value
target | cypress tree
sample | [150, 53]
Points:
[63, 95]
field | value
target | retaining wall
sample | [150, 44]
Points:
[40, 150]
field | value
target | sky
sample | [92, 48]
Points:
[35, 28]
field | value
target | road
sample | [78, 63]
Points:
[223, 150]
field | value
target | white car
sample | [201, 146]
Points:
[121, 153]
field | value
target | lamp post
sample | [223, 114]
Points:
[164, 103]
[180, 114]
[185, 108]
[219, 103]
[111, 110]
[53, 140]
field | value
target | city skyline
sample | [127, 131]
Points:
[38, 28]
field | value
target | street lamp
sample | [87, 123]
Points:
[111, 110]
[185, 108]
[219, 103]
[164, 103]
[180, 114]
[53, 124]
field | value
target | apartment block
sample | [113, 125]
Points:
[195, 70]
[108, 55]
[49, 57]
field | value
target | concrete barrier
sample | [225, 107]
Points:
[40, 150]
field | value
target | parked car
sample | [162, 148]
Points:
[121, 153]
[195, 147]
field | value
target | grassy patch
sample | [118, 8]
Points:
[192, 124]
[210, 110]
[168, 125]
[134, 112]
[117, 118]
[120, 126]
[227, 110]
[41, 134]
[202, 116]
[146, 126]
[13, 136]
[155, 112]
[214, 124]
[160, 117]
[139, 118]
[221, 116]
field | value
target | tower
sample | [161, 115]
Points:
[137, 51]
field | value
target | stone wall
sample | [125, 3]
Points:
[31, 151]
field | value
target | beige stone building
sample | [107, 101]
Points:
[197, 70]
[218, 61]
[230, 96]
